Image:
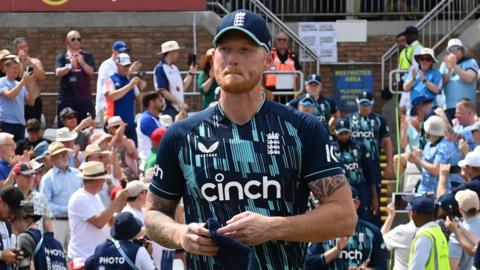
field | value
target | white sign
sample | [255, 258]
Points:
[321, 37]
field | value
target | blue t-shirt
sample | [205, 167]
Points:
[419, 88]
[455, 88]
[148, 123]
[124, 106]
[221, 169]
[5, 169]
[365, 243]
[443, 152]
[12, 111]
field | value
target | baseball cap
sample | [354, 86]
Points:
[123, 59]
[247, 22]
[411, 30]
[4, 137]
[66, 112]
[418, 101]
[158, 134]
[29, 211]
[467, 199]
[135, 187]
[342, 125]
[422, 205]
[13, 197]
[120, 46]
[472, 159]
[125, 226]
[454, 42]
[307, 101]
[41, 150]
[24, 169]
[313, 78]
[365, 99]
[447, 202]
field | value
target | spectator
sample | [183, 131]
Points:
[40, 154]
[366, 245]
[471, 168]
[40, 250]
[429, 247]
[24, 179]
[102, 139]
[23, 51]
[105, 71]
[414, 46]
[437, 151]
[121, 250]
[398, 239]
[74, 67]
[67, 138]
[40, 170]
[7, 154]
[357, 163]
[83, 130]
[4, 56]
[124, 148]
[283, 59]
[206, 79]
[423, 80]
[121, 93]
[58, 185]
[87, 214]
[34, 137]
[469, 205]
[156, 138]
[459, 74]
[325, 109]
[168, 80]
[10, 208]
[465, 121]
[403, 63]
[149, 121]
[13, 97]
[307, 105]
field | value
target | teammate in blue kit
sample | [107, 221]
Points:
[356, 162]
[249, 163]
[325, 109]
[365, 248]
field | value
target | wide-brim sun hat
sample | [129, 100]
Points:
[56, 148]
[423, 52]
[93, 170]
[65, 135]
[435, 126]
[170, 46]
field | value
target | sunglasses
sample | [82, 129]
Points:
[76, 39]
[454, 49]
[426, 59]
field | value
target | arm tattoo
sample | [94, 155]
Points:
[325, 187]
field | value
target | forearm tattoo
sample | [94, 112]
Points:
[325, 187]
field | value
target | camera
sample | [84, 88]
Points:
[29, 69]
[143, 242]
[140, 74]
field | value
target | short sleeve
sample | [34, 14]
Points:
[319, 160]
[148, 125]
[83, 208]
[437, 79]
[409, 76]
[378, 258]
[471, 65]
[89, 59]
[168, 181]
[443, 154]
[384, 131]
[60, 60]
[160, 78]
[454, 249]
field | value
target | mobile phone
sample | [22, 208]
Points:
[192, 59]
[29, 69]
[455, 169]
[401, 201]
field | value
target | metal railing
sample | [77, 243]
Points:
[435, 28]
[313, 10]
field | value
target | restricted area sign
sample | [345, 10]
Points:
[348, 83]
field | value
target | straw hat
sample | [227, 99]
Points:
[94, 149]
[169, 46]
[56, 148]
[114, 121]
[65, 135]
[93, 170]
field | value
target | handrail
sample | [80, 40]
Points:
[220, 6]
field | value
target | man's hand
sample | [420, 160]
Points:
[181, 115]
[193, 68]
[414, 73]
[87, 122]
[450, 225]
[183, 106]
[136, 66]
[450, 61]
[196, 240]
[10, 255]
[391, 209]
[463, 146]
[444, 170]
[388, 170]
[341, 243]
[80, 59]
[364, 266]
[122, 195]
[135, 81]
[249, 228]
[27, 78]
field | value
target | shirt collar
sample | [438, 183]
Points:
[429, 224]
[261, 109]
[57, 170]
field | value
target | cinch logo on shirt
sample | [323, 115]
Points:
[351, 255]
[351, 166]
[363, 134]
[253, 189]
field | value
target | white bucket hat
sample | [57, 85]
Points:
[169, 46]
[435, 126]
[65, 135]
[425, 51]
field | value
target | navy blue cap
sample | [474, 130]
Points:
[447, 202]
[422, 205]
[125, 226]
[355, 195]
[342, 125]
[313, 78]
[307, 101]
[365, 98]
[247, 22]
[411, 30]
[41, 150]
[420, 100]
[120, 46]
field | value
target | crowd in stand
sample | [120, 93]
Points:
[77, 201]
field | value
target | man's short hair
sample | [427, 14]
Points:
[9, 62]
[33, 124]
[150, 96]
[467, 103]
[17, 41]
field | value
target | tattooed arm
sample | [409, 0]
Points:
[335, 217]
[163, 229]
